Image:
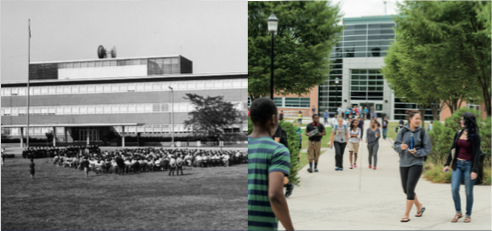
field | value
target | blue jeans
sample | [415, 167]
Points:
[385, 131]
[299, 121]
[463, 168]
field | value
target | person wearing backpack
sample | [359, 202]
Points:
[339, 137]
[463, 159]
[354, 141]
[315, 131]
[281, 116]
[412, 156]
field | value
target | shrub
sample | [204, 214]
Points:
[434, 173]
[293, 141]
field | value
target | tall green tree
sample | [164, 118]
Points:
[306, 33]
[211, 115]
[450, 43]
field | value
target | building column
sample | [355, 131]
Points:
[65, 133]
[123, 136]
[54, 136]
[87, 134]
[21, 137]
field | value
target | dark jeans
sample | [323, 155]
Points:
[361, 134]
[373, 152]
[462, 171]
[385, 131]
[339, 149]
[409, 178]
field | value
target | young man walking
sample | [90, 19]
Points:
[268, 164]
[315, 131]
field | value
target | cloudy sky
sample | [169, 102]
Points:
[213, 34]
[358, 8]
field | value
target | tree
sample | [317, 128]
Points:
[49, 137]
[450, 42]
[306, 33]
[211, 115]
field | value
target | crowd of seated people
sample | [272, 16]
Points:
[125, 161]
[43, 152]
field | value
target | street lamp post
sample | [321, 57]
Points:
[172, 116]
[337, 80]
[272, 27]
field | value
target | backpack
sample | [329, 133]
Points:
[336, 128]
[422, 135]
[299, 133]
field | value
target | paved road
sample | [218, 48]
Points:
[340, 201]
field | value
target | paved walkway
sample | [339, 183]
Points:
[340, 201]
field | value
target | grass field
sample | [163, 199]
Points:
[62, 198]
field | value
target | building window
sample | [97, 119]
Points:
[297, 102]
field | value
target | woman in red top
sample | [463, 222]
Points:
[465, 163]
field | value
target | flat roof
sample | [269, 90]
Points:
[146, 78]
[107, 59]
[368, 19]
[73, 125]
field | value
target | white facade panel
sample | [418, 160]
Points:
[101, 72]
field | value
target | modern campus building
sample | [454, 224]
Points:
[357, 61]
[89, 100]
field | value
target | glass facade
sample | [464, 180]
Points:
[400, 109]
[366, 85]
[361, 40]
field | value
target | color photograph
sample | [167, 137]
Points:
[369, 115]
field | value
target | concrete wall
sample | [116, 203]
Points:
[100, 72]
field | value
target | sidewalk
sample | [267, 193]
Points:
[332, 200]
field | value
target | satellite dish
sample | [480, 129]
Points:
[113, 52]
[101, 52]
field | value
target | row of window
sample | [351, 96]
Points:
[369, 26]
[33, 131]
[127, 87]
[105, 109]
[351, 55]
[109, 62]
[363, 48]
[297, 102]
[371, 32]
[369, 37]
[385, 42]
[103, 63]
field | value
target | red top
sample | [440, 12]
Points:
[465, 150]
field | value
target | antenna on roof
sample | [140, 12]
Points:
[102, 53]
[385, 8]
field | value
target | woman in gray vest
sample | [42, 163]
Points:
[412, 154]
[339, 138]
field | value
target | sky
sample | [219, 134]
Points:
[359, 8]
[213, 34]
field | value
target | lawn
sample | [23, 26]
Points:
[324, 144]
[391, 129]
[62, 198]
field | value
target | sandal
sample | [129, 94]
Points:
[419, 214]
[405, 219]
[457, 217]
[467, 219]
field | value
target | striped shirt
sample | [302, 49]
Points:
[264, 156]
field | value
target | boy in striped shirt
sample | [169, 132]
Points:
[268, 163]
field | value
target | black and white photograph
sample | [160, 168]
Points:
[124, 115]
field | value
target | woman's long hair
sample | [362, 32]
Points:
[352, 124]
[470, 124]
